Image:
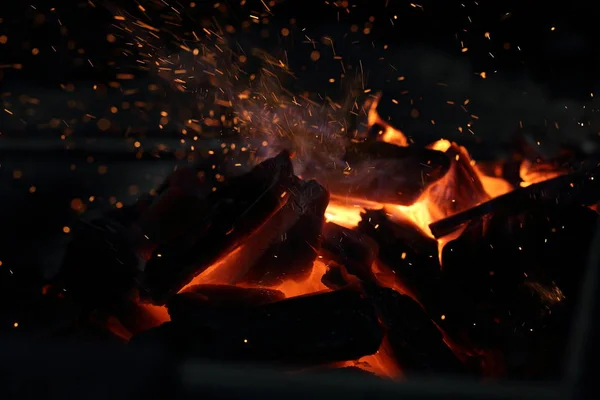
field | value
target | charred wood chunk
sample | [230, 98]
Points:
[231, 215]
[354, 250]
[416, 342]
[320, 328]
[173, 214]
[581, 188]
[286, 246]
[384, 172]
[512, 279]
[336, 277]
[283, 247]
[205, 298]
[405, 249]
[100, 264]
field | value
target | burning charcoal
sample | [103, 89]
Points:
[384, 172]
[293, 237]
[415, 341]
[336, 277]
[350, 248]
[133, 316]
[513, 280]
[581, 188]
[206, 297]
[320, 328]
[231, 215]
[405, 249]
[284, 247]
[460, 188]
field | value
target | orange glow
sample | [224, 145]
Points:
[531, 173]
[216, 272]
[388, 133]
[312, 284]
[381, 363]
[345, 211]
[159, 313]
[440, 200]
[494, 186]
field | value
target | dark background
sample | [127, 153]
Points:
[535, 76]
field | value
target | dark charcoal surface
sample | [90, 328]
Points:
[318, 328]
[199, 300]
[416, 342]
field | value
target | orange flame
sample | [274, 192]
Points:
[387, 133]
[531, 172]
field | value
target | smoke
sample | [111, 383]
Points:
[217, 84]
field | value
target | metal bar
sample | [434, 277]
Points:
[583, 345]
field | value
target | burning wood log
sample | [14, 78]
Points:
[384, 172]
[230, 216]
[582, 188]
[320, 328]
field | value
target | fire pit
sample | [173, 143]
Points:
[304, 240]
[265, 268]
[460, 274]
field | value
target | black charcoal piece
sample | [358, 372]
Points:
[405, 250]
[415, 341]
[232, 214]
[352, 249]
[206, 298]
[285, 247]
[311, 329]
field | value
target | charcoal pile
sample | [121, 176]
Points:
[255, 269]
